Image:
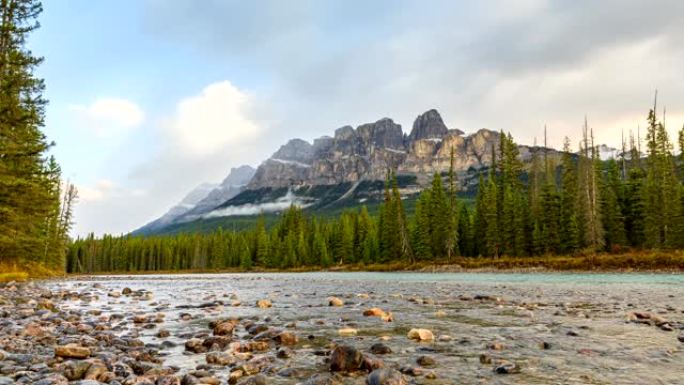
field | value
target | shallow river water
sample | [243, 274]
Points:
[557, 328]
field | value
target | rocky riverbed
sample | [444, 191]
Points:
[345, 328]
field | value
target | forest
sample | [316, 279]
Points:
[581, 206]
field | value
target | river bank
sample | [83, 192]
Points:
[341, 328]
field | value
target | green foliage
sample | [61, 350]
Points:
[35, 209]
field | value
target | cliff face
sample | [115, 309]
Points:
[369, 150]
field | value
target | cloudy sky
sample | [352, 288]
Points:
[149, 98]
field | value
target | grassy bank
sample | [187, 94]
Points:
[646, 261]
[14, 272]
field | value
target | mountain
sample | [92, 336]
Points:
[346, 170]
[369, 150]
[202, 199]
[186, 204]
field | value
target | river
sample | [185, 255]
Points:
[556, 328]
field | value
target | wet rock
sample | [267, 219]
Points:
[286, 338]
[681, 338]
[507, 368]
[411, 371]
[347, 332]
[426, 361]
[224, 328]
[285, 353]
[168, 380]
[221, 358]
[334, 301]
[163, 333]
[264, 303]
[259, 379]
[377, 312]
[485, 359]
[72, 351]
[95, 371]
[34, 330]
[380, 348]
[345, 358]
[195, 345]
[420, 335]
[495, 346]
[189, 379]
[126, 291]
[385, 376]
[323, 379]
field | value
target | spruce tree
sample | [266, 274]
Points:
[613, 220]
[569, 227]
[29, 181]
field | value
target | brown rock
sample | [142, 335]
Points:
[72, 351]
[421, 335]
[345, 358]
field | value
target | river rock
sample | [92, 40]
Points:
[72, 351]
[347, 332]
[168, 380]
[224, 328]
[52, 379]
[380, 348]
[323, 379]
[421, 335]
[75, 370]
[264, 303]
[507, 368]
[426, 361]
[385, 376]
[334, 301]
[221, 358]
[345, 358]
[286, 338]
[258, 379]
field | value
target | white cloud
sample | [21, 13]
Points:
[212, 121]
[110, 116]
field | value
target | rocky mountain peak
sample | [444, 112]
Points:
[238, 176]
[297, 150]
[428, 125]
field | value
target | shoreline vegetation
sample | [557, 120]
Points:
[642, 261]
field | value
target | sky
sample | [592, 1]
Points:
[150, 98]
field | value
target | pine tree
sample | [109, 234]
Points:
[662, 204]
[569, 226]
[465, 232]
[421, 237]
[613, 220]
[439, 218]
[29, 182]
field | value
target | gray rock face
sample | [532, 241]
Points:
[429, 125]
[295, 150]
[368, 151]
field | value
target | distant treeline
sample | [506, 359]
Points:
[581, 205]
